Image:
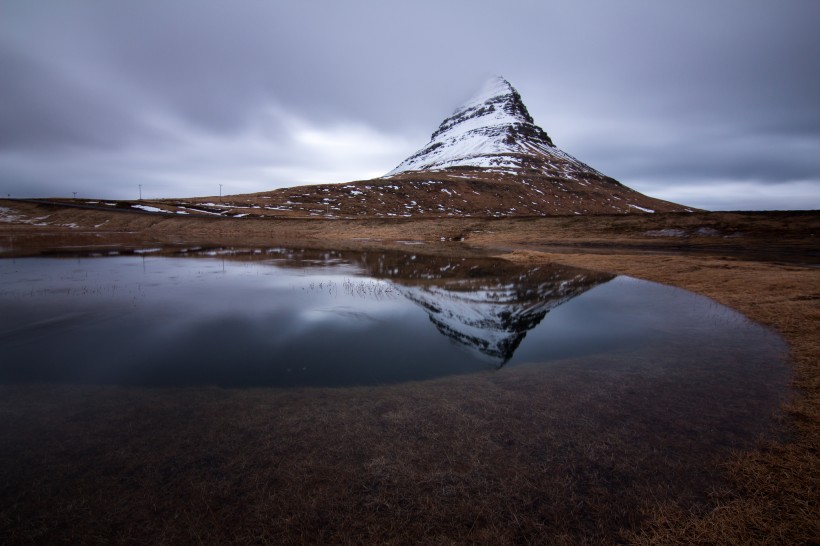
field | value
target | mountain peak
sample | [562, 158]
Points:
[487, 131]
[499, 92]
[486, 159]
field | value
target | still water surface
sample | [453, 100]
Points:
[388, 391]
[295, 318]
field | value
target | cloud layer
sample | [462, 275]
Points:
[710, 104]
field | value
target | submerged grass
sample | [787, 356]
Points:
[774, 496]
[574, 454]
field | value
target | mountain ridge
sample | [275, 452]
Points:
[487, 159]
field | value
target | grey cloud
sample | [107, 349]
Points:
[642, 91]
[43, 109]
[771, 159]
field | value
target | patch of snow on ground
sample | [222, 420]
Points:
[640, 208]
[220, 206]
[202, 211]
[7, 216]
[147, 208]
[666, 233]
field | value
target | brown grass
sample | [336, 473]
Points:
[780, 235]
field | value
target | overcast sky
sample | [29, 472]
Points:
[710, 104]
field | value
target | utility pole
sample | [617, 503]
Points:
[75, 194]
[220, 192]
[140, 185]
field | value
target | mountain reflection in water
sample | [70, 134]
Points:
[487, 305]
[492, 312]
[286, 318]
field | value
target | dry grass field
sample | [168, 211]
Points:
[518, 459]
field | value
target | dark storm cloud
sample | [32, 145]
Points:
[98, 96]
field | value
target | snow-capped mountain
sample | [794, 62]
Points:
[493, 130]
[488, 158]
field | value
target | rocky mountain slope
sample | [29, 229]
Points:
[487, 159]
